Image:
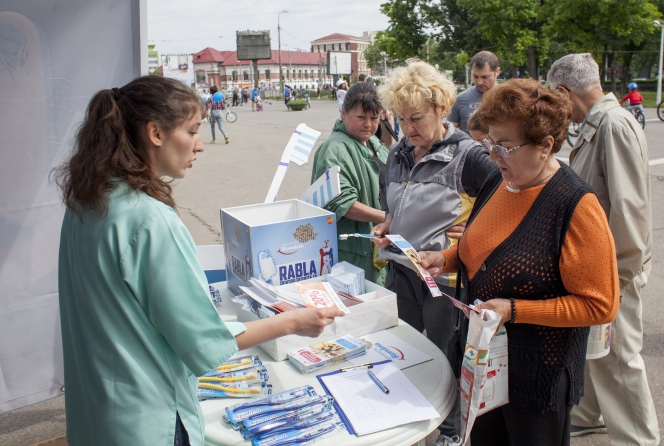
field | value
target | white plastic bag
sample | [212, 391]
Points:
[484, 383]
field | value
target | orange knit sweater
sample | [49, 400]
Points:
[588, 265]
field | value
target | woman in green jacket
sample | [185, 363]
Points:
[361, 156]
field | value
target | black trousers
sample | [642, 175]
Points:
[419, 309]
[181, 435]
[514, 425]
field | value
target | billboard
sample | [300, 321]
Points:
[339, 62]
[253, 45]
[180, 67]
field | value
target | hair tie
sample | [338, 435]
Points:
[116, 93]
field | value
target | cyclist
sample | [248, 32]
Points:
[634, 97]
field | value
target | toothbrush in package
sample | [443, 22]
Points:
[301, 437]
[309, 418]
[280, 401]
[238, 363]
[252, 375]
[306, 407]
[207, 390]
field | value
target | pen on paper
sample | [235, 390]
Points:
[378, 383]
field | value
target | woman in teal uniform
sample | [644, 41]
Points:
[138, 325]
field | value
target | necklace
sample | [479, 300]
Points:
[516, 190]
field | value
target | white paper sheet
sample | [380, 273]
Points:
[383, 345]
[370, 410]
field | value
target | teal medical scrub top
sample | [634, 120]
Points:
[138, 325]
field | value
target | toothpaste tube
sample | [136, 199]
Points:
[320, 355]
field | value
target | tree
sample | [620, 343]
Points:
[514, 29]
[373, 57]
[405, 35]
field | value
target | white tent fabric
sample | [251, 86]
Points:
[54, 55]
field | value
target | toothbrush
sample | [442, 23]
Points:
[275, 400]
[345, 236]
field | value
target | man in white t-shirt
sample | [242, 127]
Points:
[342, 87]
[485, 70]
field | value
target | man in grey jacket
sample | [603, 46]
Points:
[611, 155]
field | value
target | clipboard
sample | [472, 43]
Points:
[366, 407]
[341, 413]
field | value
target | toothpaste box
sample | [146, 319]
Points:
[278, 243]
[317, 356]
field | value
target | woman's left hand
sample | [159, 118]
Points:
[501, 306]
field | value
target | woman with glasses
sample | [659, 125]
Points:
[538, 251]
[432, 176]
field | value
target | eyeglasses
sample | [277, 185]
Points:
[502, 151]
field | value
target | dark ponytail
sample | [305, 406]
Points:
[110, 143]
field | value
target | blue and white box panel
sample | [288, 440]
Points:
[279, 243]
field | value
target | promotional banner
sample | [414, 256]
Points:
[54, 55]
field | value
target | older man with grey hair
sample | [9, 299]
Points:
[611, 155]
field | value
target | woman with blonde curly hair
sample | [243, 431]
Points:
[431, 176]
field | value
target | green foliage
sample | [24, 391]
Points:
[372, 56]
[405, 35]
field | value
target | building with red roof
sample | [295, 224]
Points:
[301, 69]
[344, 42]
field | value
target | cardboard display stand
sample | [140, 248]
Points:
[278, 243]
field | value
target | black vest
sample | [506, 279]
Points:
[526, 266]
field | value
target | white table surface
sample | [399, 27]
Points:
[433, 378]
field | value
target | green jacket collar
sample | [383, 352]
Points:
[339, 127]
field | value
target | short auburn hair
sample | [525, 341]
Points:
[538, 110]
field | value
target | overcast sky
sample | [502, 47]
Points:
[179, 26]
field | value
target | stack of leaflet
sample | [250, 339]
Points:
[296, 416]
[239, 377]
[273, 297]
[310, 294]
[323, 354]
[347, 279]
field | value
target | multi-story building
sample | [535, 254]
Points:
[153, 59]
[300, 69]
[344, 42]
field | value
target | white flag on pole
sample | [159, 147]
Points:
[297, 150]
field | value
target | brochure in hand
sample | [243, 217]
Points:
[411, 253]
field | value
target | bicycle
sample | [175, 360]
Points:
[638, 114]
[660, 111]
[573, 133]
[231, 116]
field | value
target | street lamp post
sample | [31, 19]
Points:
[661, 51]
[281, 81]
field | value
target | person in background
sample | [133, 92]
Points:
[538, 251]
[611, 154]
[362, 77]
[138, 325]
[287, 93]
[254, 92]
[634, 97]
[361, 156]
[432, 177]
[475, 128]
[485, 70]
[370, 79]
[236, 97]
[342, 87]
[213, 110]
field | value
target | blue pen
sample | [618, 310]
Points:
[378, 383]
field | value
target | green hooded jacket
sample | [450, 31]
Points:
[359, 182]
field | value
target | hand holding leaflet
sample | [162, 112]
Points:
[410, 252]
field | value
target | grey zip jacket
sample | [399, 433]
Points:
[426, 199]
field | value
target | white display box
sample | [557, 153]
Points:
[378, 312]
[278, 243]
